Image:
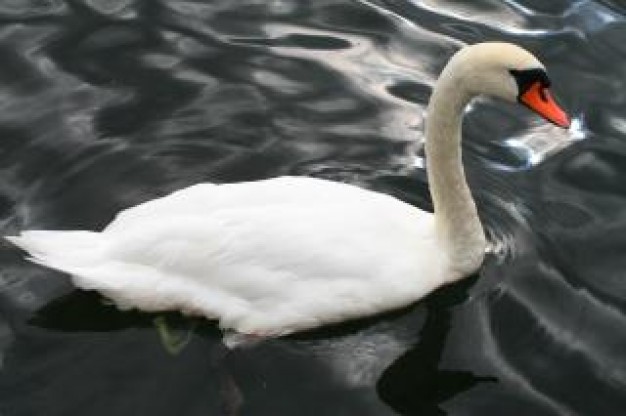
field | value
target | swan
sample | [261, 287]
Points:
[272, 257]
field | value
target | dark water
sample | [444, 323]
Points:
[108, 103]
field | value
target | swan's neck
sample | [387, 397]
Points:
[457, 223]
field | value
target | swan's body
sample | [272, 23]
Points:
[265, 257]
[276, 256]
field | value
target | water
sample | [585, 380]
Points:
[108, 103]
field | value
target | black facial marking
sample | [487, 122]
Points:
[527, 77]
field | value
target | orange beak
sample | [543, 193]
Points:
[539, 99]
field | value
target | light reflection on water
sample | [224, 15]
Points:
[542, 141]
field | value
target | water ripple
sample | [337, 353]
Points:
[105, 104]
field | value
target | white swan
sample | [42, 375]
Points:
[281, 255]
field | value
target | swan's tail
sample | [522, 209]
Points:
[81, 254]
[61, 250]
[75, 246]
[85, 257]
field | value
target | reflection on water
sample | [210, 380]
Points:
[104, 104]
[538, 143]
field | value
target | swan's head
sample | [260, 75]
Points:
[508, 72]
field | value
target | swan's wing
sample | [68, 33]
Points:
[207, 197]
[266, 267]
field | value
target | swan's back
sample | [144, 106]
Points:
[207, 197]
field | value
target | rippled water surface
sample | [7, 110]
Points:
[108, 103]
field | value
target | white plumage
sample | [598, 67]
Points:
[267, 257]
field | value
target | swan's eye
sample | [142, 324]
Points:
[526, 78]
[543, 94]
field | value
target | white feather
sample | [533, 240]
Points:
[267, 257]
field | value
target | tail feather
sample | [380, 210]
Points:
[84, 256]
[77, 253]
[75, 247]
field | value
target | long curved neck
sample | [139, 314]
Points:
[457, 224]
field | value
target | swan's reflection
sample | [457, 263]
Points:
[414, 383]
